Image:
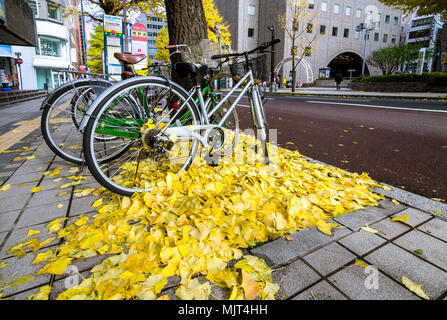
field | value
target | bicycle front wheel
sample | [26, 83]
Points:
[136, 113]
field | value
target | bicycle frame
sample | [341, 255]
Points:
[182, 132]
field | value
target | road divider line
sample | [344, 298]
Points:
[373, 106]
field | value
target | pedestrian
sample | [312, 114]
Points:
[338, 79]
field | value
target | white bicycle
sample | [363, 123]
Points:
[162, 125]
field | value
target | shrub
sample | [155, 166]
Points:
[432, 78]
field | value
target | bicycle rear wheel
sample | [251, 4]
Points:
[62, 113]
[136, 113]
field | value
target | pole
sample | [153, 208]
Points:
[272, 58]
[84, 49]
[126, 44]
[364, 51]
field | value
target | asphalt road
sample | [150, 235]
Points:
[399, 142]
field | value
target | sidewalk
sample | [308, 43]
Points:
[312, 265]
[345, 92]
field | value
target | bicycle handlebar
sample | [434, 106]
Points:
[261, 48]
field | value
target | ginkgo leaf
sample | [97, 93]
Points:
[249, 286]
[55, 172]
[3, 264]
[20, 280]
[97, 203]
[5, 187]
[368, 229]
[416, 288]
[36, 189]
[60, 205]
[395, 202]
[56, 267]
[359, 263]
[42, 294]
[32, 232]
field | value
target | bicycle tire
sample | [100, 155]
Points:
[48, 108]
[103, 105]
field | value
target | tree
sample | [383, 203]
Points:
[95, 50]
[186, 25]
[212, 17]
[299, 25]
[161, 41]
[423, 7]
[115, 8]
[390, 59]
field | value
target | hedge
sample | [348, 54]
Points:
[432, 78]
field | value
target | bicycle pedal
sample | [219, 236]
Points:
[212, 161]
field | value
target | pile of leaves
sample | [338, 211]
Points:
[195, 224]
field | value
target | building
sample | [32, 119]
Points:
[424, 31]
[338, 46]
[17, 28]
[154, 25]
[42, 63]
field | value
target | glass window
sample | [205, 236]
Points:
[309, 28]
[336, 8]
[393, 39]
[54, 10]
[322, 29]
[308, 51]
[387, 19]
[359, 13]
[49, 46]
[379, 18]
[33, 5]
[356, 34]
[346, 33]
[396, 21]
[385, 38]
[251, 10]
[376, 36]
[348, 11]
[334, 31]
[311, 4]
[324, 6]
[251, 32]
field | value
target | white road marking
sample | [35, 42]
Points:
[373, 106]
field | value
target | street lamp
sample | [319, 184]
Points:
[272, 57]
[360, 27]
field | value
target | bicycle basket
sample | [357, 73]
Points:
[258, 66]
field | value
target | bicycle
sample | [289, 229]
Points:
[165, 135]
[63, 109]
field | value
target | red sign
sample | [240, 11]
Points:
[139, 32]
[19, 61]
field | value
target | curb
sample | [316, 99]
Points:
[298, 94]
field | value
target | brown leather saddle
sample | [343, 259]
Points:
[129, 58]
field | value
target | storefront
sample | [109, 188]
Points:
[8, 70]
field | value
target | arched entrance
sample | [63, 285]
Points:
[304, 65]
[347, 61]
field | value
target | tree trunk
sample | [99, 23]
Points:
[186, 25]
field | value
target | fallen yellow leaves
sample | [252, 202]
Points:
[416, 288]
[5, 187]
[195, 223]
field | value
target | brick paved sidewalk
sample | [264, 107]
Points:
[311, 266]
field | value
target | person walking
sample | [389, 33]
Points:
[338, 79]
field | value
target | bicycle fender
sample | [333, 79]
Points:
[71, 83]
[106, 92]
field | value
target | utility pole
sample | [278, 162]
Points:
[126, 44]
[84, 49]
[363, 26]
[272, 57]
